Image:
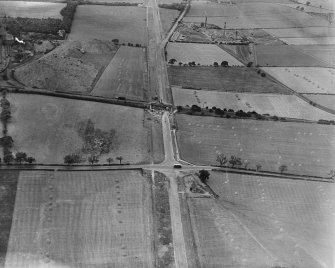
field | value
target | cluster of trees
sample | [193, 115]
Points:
[193, 63]
[236, 161]
[261, 73]
[19, 158]
[204, 175]
[92, 159]
[47, 26]
[174, 6]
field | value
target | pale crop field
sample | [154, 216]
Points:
[47, 128]
[31, 9]
[205, 54]
[304, 148]
[124, 76]
[309, 41]
[305, 79]
[128, 24]
[273, 104]
[81, 219]
[264, 222]
[304, 32]
[271, 15]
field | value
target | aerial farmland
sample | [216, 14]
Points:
[168, 134]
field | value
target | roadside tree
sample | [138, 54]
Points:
[120, 158]
[222, 159]
[204, 175]
[282, 168]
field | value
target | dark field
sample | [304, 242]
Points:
[236, 79]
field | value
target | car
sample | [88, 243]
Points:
[176, 166]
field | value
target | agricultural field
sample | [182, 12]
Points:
[327, 4]
[306, 8]
[167, 18]
[235, 79]
[71, 67]
[284, 55]
[205, 54]
[125, 75]
[306, 149]
[307, 33]
[327, 101]
[116, 1]
[273, 104]
[27, 9]
[305, 79]
[8, 186]
[49, 128]
[81, 219]
[128, 24]
[202, 9]
[322, 53]
[270, 15]
[264, 222]
[309, 41]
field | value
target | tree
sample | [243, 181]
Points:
[5, 115]
[172, 61]
[215, 64]
[20, 157]
[258, 167]
[109, 160]
[249, 64]
[224, 63]
[72, 159]
[246, 163]
[332, 174]
[282, 168]
[8, 158]
[204, 175]
[235, 161]
[92, 159]
[222, 159]
[30, 160]
[120, 158]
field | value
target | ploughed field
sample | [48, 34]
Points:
[288, 56]
[27, 9]
[128, 24]
[280, 105]
[236, 79]
[81, 219]
[49, 128]
[264, 222]
[305, 79]
[125, 76]
[306, 149]
[204, 54]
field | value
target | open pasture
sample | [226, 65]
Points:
[284, 55]
[205, 54]
[236, 79]
[81, 219]
[264, 222]
[271, 15]
[209, 9]
[167, 17]
[305, 148]
[323, 53]
[124, 76]
[127, 24]
[27, 9]
[47, 128]
[71, 67]
[305, 79]
[273, 104]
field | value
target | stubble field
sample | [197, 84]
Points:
[235, 79]
[127, 24]
[81, 219]
[305, 79]
[264, 222]
[304, 148]
[49, 128]
[125, 76]
[273, 104]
